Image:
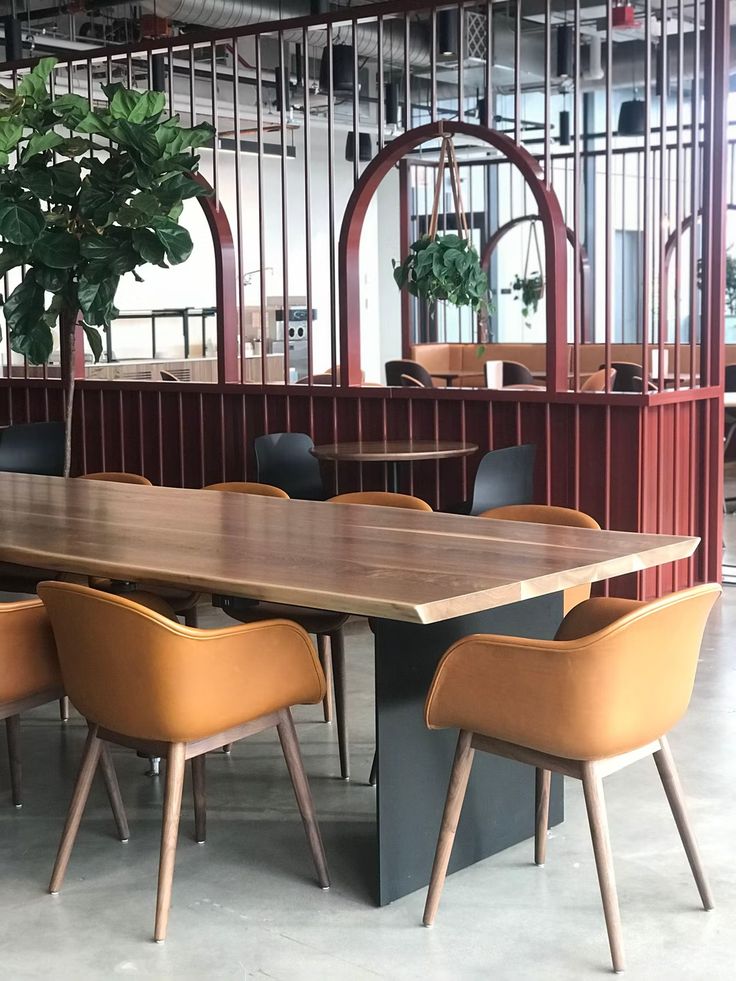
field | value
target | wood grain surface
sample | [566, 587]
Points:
[385, 562]
[394, 449]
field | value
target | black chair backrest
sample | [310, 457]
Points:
[730, 378]
[504, 477]
[395, 369]
[515, 373]
[33, 447]
[628, 376]
[284, 460]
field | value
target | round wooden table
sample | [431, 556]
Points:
[393, 452]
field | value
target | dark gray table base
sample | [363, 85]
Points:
[414, 763]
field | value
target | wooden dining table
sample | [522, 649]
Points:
[426, 579]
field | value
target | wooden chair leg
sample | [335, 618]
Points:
[598, 820]
[458, 784]
[325, 659]
[113, 792]
[303, 794]
[673, 789]
[90, 758]
[337, 646]
[64, 708]
[374, 769]
[175, 761]
[199, 790]
[12, 728]
[227, 749]
[543, 780]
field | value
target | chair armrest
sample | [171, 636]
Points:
[28, 661]
[593, 615]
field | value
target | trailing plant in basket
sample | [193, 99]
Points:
[530, 290]
[88, 193]
[445, 267]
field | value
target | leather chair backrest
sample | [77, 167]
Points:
[284, 460]
[385, 499]
[395, 369]
[34, 447]
[504, 477]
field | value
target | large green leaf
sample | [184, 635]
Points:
[179, 187]
[139, 140]
[20, 221]
[149, 106]
[97, 299]
[148, 246]
[174, 238]
[73, 146]
[12, 256]
[35, 343]
[66, 179]
[10, 132]
[94, 339]
[57, 249]
[33, 85]
[37, 179]
[24, 306]
[52, 280]
[40, 143]
[123, 103]
[71, 108]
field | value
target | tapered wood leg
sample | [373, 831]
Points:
[673, 790]
[459, 776]
[12, 728]
[190, 617]
[199, 789]
[543, 781]
[337, 645]
[113, 792]
[90, 758]
[175, 761]
[598, 820]
[64, 708]
[227, 749]
[325, 659]
[374, 769]
[303, 794]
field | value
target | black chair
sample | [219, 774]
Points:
[284, 460]
[411, 370]
[34, 447]
[629, 377]
[504, 477]
[515, 373]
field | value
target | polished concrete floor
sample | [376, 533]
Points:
[246, 904]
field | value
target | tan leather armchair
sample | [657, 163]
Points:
[384, 499]
[175, 691]
[548, 514]
[604, 693]
[29, 674]
[249, 487]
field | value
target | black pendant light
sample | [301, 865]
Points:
[392, 104]
[342, 69]
[158, 73]
[564, 127]
[13, 39]
[365, 147]
[282, 86]
[565, 42]
[632, 118]
[448, 35]
[482, 107]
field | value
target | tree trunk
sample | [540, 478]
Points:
[67, 343]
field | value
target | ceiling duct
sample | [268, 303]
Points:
[219, 14]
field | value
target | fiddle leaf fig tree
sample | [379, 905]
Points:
[88, 193]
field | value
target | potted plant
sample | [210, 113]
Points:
[530, 289]
[443, 267]
[74, 221]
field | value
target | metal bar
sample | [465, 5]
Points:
[663, 197]
[381, 85]
[517, 72]
[679, 190]
[648, 212]
[695, 193]
[308, 207]
[261, 217]
[608, 199]
[239, 265]
[331, 212]
[283, 83]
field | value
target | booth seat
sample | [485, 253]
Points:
[468, 357]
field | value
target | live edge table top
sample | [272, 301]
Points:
[393, 563]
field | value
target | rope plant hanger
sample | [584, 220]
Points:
[530, 287]
[445, 267]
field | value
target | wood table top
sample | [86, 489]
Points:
[386, 562]
[393, 449]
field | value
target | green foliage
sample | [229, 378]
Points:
[77, 213]
[446, 267]
[731, 284]
[531, 290]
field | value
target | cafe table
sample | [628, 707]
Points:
[425, 579]
[393, 452]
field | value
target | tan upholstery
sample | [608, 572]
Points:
[584, 696]
[384, 499]
[138, 673]
[248, 487]
[119, 477]
[28, 662]
[597, 381]
[547, 514]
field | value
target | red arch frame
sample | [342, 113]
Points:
[550, 213]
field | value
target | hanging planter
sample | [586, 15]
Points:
[530, 287]
[445, 267]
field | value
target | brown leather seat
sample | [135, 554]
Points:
[29, 673]
[171, 690]
[328, 626]
[248, 487]
[119, 477]
[548, 514]
[603, 693]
